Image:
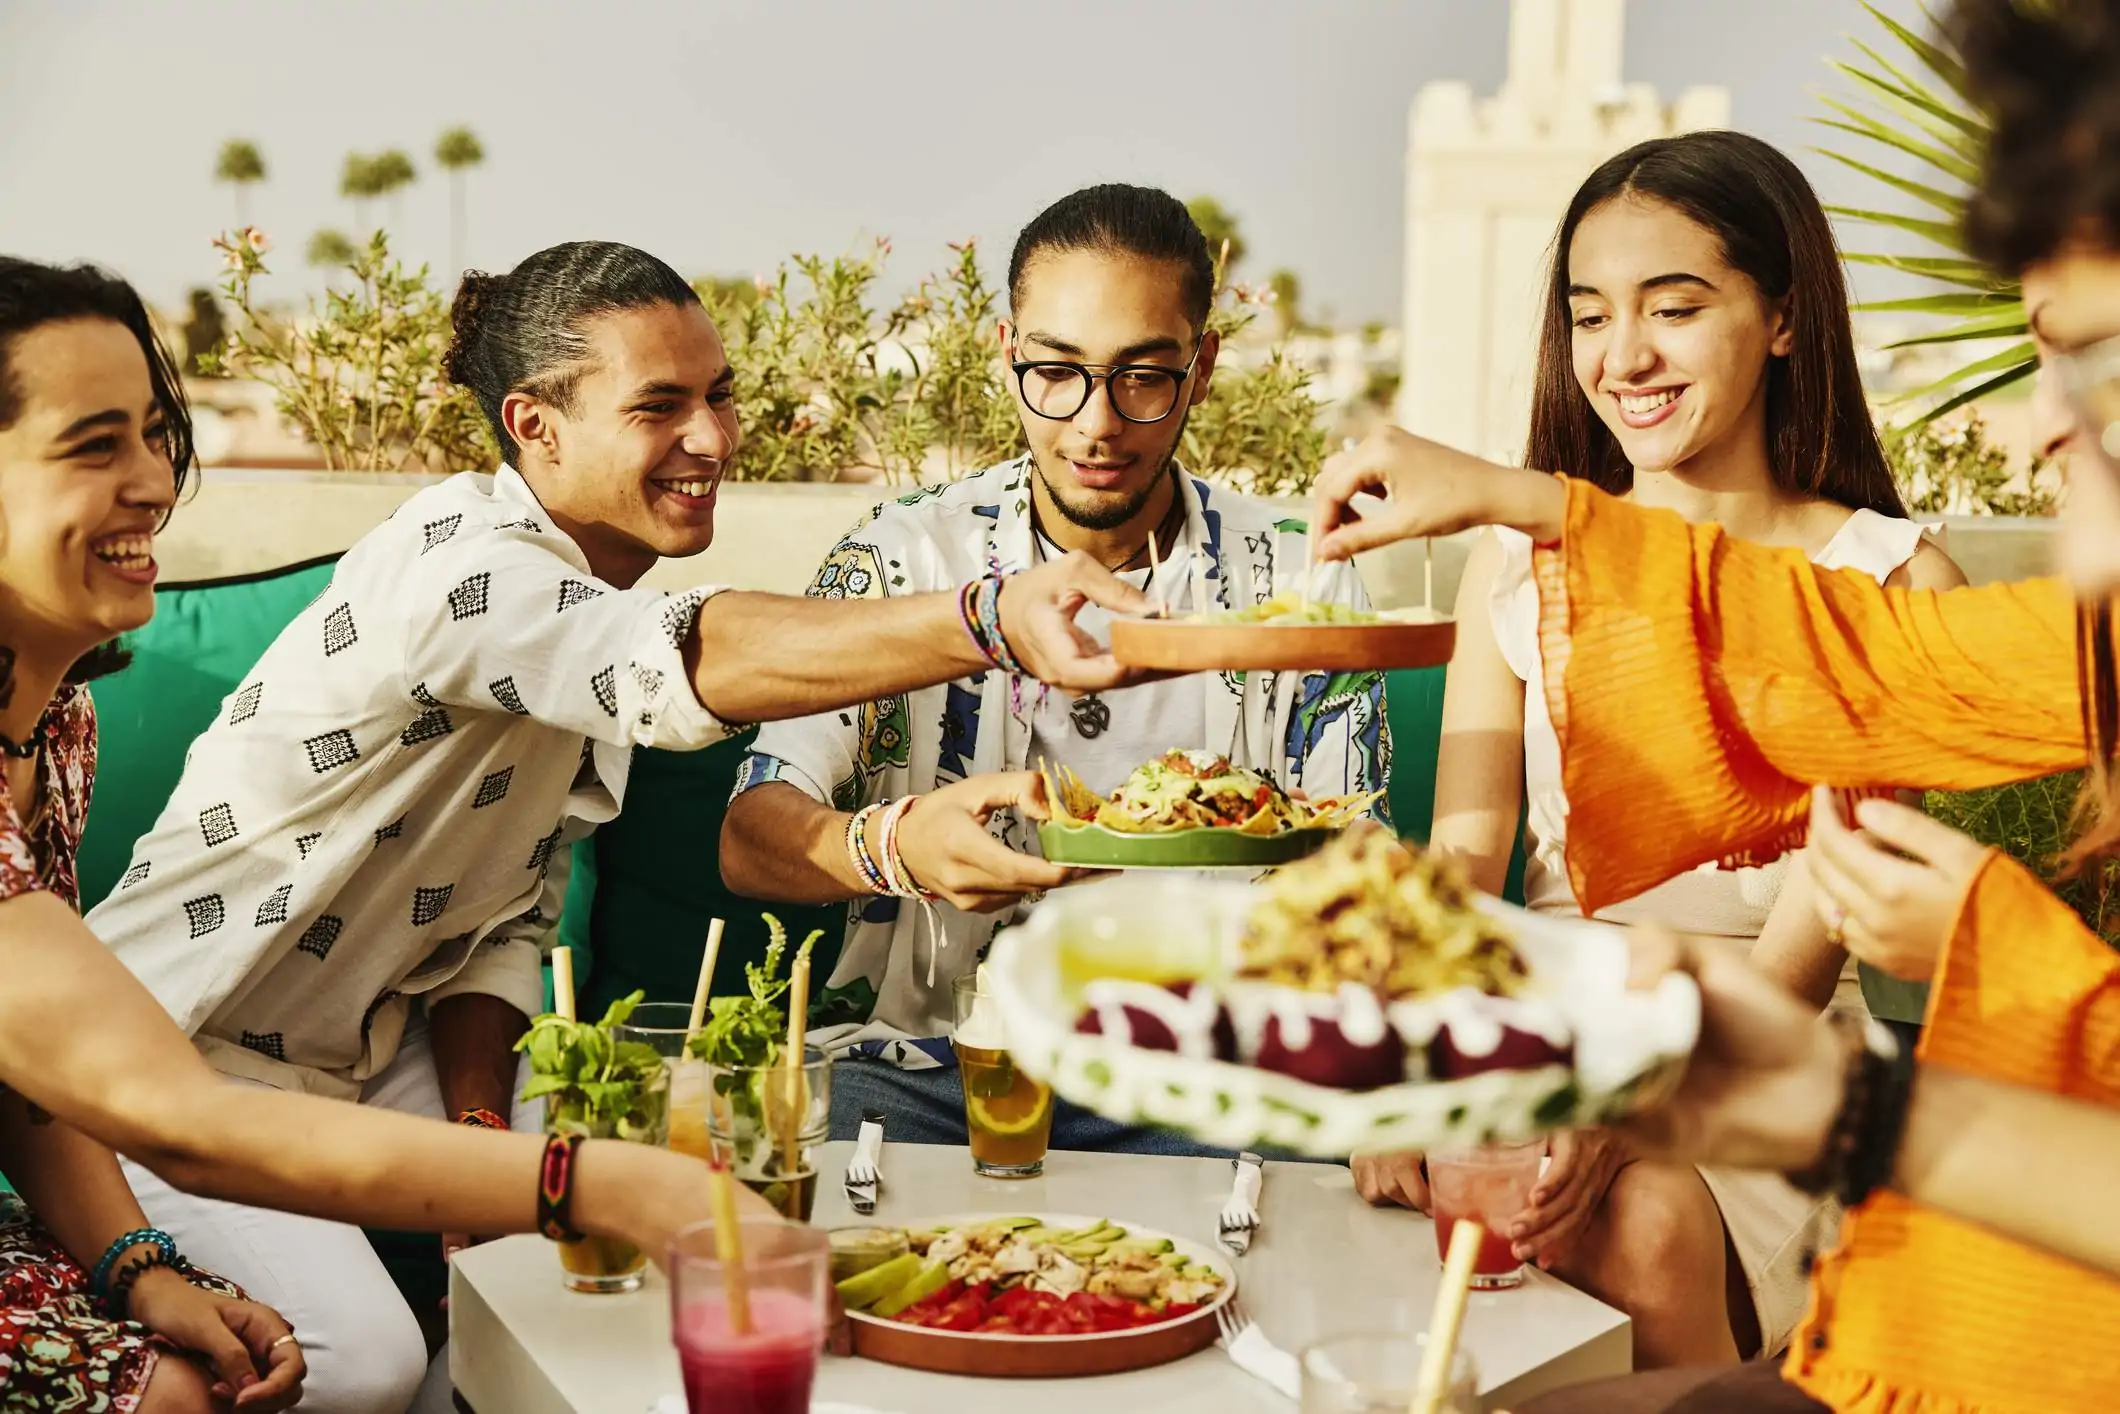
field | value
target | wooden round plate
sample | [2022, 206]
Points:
[1047, 1357]
[1409, 638]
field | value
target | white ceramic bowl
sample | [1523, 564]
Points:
[1630, 1046]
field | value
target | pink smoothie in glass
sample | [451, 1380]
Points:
[767, 1371]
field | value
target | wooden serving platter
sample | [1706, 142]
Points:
[1409, 638]
[1047, 1357]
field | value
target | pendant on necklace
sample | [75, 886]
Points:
[1091, 716]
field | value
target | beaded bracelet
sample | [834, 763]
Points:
[858, 850]
[138, 1237]
[981, 611]
[1862, 1146]
[555, 1189]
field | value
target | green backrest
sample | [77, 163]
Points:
[646, 886]
[204, 637]
[1413, 705]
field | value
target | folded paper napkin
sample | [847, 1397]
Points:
[1260, 1357]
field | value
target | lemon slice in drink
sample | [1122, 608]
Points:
[1008, 1114]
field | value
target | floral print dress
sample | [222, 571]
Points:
[60, 1350]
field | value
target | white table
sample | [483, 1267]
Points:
[1323, 1263]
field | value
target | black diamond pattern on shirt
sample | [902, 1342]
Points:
[426, 727]
[648, 680]
[137, 874]
[683, 612]
[605, 686]
[218, 824]
[503, 690]
[468, 600]
[541, 855]
[391, 831]
[308, 842]
[267, 1043]
[427, 904]
[421, 695]
[339, 633]
[205, 913]
[331, 750]
[274, 909]
[573, 591]
[492, 788]
[318, 937]
[435, 532]
[244, 705]
[524, 524]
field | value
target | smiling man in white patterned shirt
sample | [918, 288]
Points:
[343, 894]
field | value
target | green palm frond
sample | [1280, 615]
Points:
[1914, 106]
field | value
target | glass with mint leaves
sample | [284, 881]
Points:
[765, 1117]
[599, 1087]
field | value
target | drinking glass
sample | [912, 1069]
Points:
[767, 1367]
[1490, 1184]
[755, 1113]
[1008, 1117]
[1376, 1374]
[600, 1264]
[662, 1027]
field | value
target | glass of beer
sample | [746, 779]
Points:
[766, 1122]
[661, 1026]
[1490, 1184]
[1008, 1117]
[604, 1264]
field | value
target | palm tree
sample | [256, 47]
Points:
[330, 250]
[358, 183]
[458, 151]
[1287, 287]
[1930, 119]
[394, 172]
[240, 164]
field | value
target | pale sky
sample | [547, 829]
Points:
[725, 134]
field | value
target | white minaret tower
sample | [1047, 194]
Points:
[1487, 181]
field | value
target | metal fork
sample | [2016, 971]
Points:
[1232, 1320]
[1250, 1351]
[1239, 1218]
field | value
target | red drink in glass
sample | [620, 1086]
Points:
[767, 1370]
[769, 1366]
[1491, 1185]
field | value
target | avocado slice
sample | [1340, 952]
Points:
[924, 1283]
[1176, 1261]
[1084, 1251]
[1153, 1246]
[862, 1288]
[1196, 1272]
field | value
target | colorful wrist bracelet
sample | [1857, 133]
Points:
[858, 850]
[984, 603]
[555, 1189]
[99, 1276]
[481, 1119]
[901, 881]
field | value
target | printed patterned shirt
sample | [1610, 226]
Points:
[1323, 732]
[39, 853]
[376, 810]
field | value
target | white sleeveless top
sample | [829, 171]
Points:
[1710, 901]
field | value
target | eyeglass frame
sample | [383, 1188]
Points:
[1090, 378]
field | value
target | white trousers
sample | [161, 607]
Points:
[363, 1344]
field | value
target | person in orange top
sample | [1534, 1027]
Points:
[1700, 686]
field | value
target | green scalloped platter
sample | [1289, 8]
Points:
[1095, 847]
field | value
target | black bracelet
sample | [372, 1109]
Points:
[1862, 1146]
[121, 1285]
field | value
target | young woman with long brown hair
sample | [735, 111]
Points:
[1695, 354]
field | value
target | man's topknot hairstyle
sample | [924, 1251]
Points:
[1117, 219]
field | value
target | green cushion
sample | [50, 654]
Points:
[646, 886]
[1413, 705]
[204, 637]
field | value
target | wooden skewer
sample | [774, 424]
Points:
[706, 981]
[728, 1248]
[563, 982]
[798, 1096]
[1434, 1383]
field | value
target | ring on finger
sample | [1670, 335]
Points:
[287, 1339]
[1836, 925]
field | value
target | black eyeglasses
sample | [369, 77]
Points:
[1139, 392]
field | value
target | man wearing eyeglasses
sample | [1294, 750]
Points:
[1109, 350]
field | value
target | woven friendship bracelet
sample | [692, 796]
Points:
[902, 884]
[555, 1189]
[482, 1119]
[986, 614]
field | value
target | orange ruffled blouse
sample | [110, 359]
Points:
[1700, 685]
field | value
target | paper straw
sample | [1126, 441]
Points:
[1434, 1383]
[798, 1100]
[706, 980]
[728, 1248]
[1155, 576]
[563, 982]
[1428, 574]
